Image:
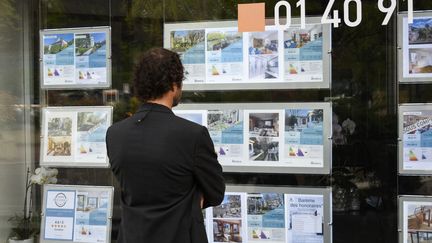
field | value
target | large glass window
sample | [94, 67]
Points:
[364, 94]
[15, 95]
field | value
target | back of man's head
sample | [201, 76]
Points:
[157, 71]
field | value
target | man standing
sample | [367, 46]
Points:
[166, 166]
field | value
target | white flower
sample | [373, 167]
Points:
[44, 175]
[51, 172]
[349, 126]
[36, 179]
[38, 171]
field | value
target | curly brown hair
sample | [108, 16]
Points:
[157, 71]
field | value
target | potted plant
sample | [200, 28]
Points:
[26, 226]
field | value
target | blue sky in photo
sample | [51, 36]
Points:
[98, 37]
[180, 33]
[183, 33]
[49, 39]
[226, 198]
[420, 23]
[197, 118]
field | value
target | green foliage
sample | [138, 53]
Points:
[215, 36]
[81, 50]
[55, 49]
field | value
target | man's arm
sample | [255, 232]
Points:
[208, 171]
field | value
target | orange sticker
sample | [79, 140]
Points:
[251, 17]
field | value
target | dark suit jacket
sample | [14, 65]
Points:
[163, 164]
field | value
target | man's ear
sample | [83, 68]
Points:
[176, 85]
[173, 87]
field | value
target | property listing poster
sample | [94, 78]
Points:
[91, 216]
[417, 221]
[77, 215]
[191, 46]
[58, 59]
[58, 139]
[204, 214]
[304, 143]
[224, 55]
[216, 53]
[228, 219]
[75, 59]
[303, 54]
[265, 136]
[417, 140]
[417, 48]
[75, 135]
[305, 218]
[263, 55]
[59, 215]
[196, 116]
[91, 131]
[226, 130]
[91, 58]
[266, 217]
